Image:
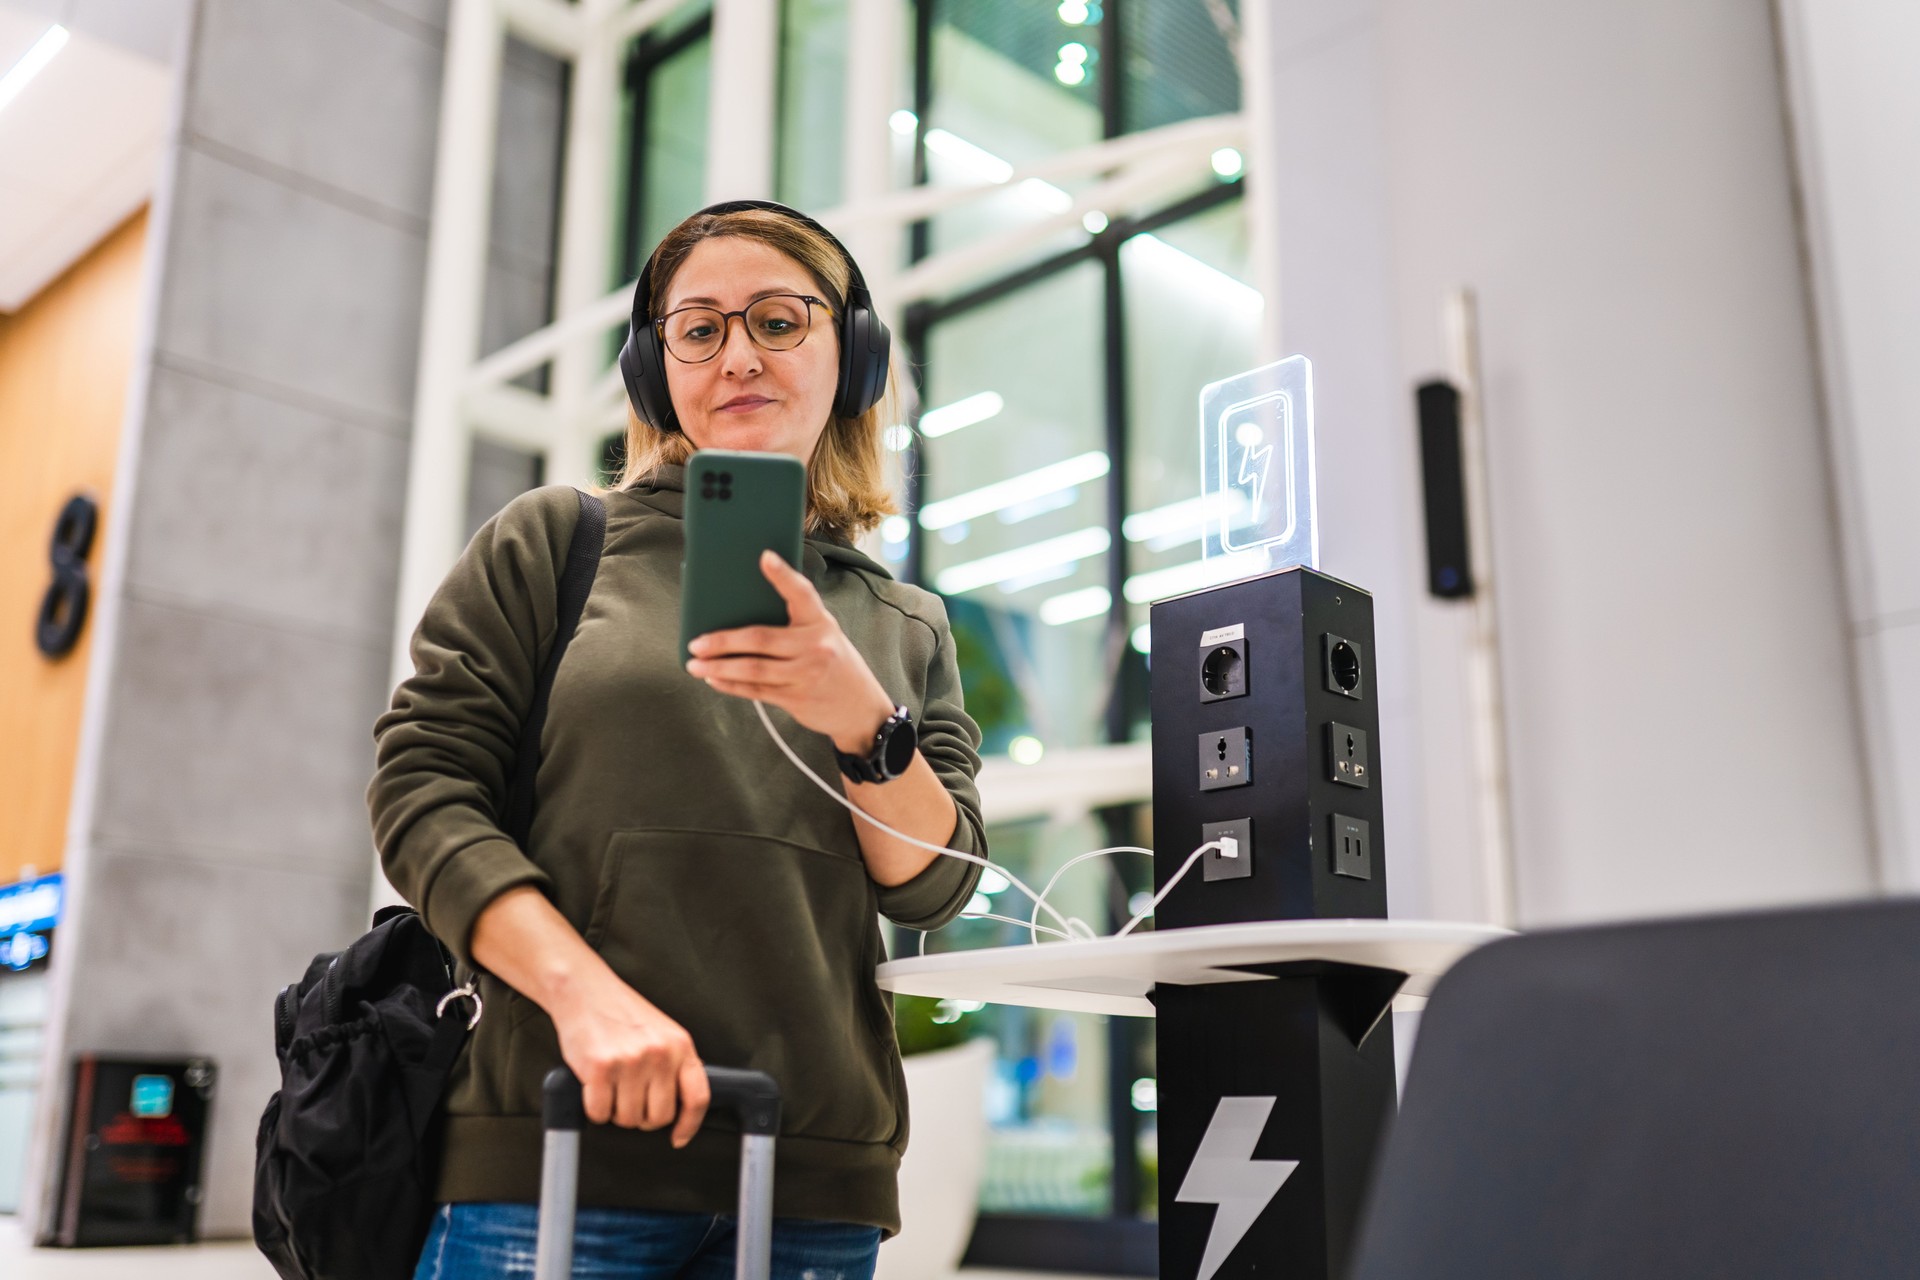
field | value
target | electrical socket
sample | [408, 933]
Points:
[1347, 759]
[1226, 759]
[1352, 847]
[1341, 660]
[1214, 865]
[1223, 670]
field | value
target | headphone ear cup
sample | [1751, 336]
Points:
[644, 370]
[865, 344]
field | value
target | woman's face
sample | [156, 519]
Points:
[746, 397]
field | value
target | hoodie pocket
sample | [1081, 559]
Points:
[763, 950]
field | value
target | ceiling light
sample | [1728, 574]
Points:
[1157, 584]
[1228, 163]
[952, 146]
[1012, 492]
[1095, 222]
[949, 418]
[1070, 73]
[1143, 643]
[1063, 550]
[1073, 606]
[904, 122]
[1073, 52]
[1073, 12]
[32, 63]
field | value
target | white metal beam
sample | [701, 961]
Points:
[552, 25]
[587, 213]
[957, 268]
[513, 416]
[874, 31]
[526, 354]
[744, 90]
[624, 24]
[439, 457]
[1199, 138]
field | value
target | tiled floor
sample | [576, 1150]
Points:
[232, 1261]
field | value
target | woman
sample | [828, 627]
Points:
[688, 896]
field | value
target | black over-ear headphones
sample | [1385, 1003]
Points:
[864, 338]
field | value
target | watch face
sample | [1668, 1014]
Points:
[898, 752]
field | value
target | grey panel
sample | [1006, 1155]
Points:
[239, 742]
[255, 505]
[151, 28]
[500, 474]
[431, 12]
[184, 957]
[515, 304]
[283, 286]
[268, 80]
[526, 165]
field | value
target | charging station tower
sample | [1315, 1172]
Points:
[1274, 1092]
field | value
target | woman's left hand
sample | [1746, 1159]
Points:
[808, 668]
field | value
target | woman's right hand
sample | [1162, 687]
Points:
[637, 1067]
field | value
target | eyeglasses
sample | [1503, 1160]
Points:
[777, 322]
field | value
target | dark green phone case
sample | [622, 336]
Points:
[738, 505]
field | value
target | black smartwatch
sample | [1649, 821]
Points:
[892, 752]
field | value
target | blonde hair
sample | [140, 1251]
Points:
[848, 490]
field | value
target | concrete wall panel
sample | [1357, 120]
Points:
[271, 281]
[265, 71]
[253, 526]
[238, 741]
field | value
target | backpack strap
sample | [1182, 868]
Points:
[576, 580]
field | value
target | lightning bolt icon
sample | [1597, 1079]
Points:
[1256, 484]
[1224, 1173]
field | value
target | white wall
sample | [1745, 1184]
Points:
[1336, 308]
[1856, 97]
[1613, 178]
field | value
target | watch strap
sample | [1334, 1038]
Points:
[872, 767]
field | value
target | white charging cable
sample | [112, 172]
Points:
[1070, 929]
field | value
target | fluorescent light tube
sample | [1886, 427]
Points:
[1073, 606]
[1065, 549]
[1157, 584]
[1013, 491]
[32, 63]
[949, 418]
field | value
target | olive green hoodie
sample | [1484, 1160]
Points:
[712, 876]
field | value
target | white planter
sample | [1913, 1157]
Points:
[946, 1155]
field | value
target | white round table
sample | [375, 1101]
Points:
[1113, 975]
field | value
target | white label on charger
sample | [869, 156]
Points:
[1220, 635]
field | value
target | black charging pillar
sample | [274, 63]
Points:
[1273, 1094]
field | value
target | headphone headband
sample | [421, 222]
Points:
[857, 292]
[865, 342]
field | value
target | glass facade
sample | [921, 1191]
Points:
[1013, 511]
[667, 88]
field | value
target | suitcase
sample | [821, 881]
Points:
[751, 1095]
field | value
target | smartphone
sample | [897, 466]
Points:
[738, 505]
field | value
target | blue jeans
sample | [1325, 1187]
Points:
[494, 1241]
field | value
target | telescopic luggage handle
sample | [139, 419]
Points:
[752, 1096]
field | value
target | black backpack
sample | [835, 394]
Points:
[344, 1166]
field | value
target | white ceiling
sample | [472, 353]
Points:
[80, 145]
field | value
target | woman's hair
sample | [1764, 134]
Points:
[847, 489]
